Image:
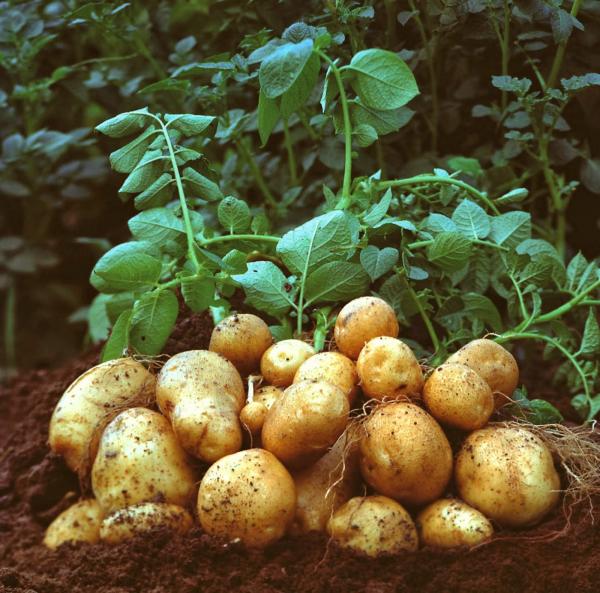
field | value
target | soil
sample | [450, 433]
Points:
[35, 486]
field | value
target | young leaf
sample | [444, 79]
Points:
[282, 67]
[152, 322]
[146, 172]
[471, 220]
[124, 123]
[590, 344]
[234, 214]
[157, 225]
[335, 281]
[268, 116]
[198, 293]
[330, 89]
[126, 158]
[365, 135]
[377, 262]
[511, 228]
[377, 211]
[449, 251]
[98, 321]
[478, 306]
[119, 338]
[297, 95]
[191, 125]
[156, 194]
[580, 273]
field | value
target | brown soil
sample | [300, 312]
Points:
[35, 486]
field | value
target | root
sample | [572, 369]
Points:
[152, 363]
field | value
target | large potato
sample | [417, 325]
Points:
[248, 496]
[508, 474]
[361, 320]
[90, 402]
[388, 368]
[254, 413]
[457, 396]
[450, 523]
[242, 339]
[492, 362]
[79, 523]
[405, 454]
[280, 362]
[374, 525]
[140, 460]
[305, 422]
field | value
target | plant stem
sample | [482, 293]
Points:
[223, 238]
[560, 52]
[10, 306]
[256, 173]
[482, 242]
[428, 324]
[290, 153]
[505, 49]
[300, 307]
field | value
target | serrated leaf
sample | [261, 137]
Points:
[204, 187]
[268, 116]
[156, 194]
[146, 172]
[152, 321]
[336, 281]
[192, 125]
[126, 158]
[119, 338]
[377, 262]
[157, 225]
[297, 95]
[282, 67]
[198, 293]
[590, 343]
[511, 228]
[450, 251]
[377, 211]
[471, 220]
[125, 124]
[234, 214]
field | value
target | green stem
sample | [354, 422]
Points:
[10, 312]
[482, 242]
[313, 135]
[256, 173]
[524, 312]
[223, 238]
[290, 152]
[428, 324]
[300, 307]
[560, 52]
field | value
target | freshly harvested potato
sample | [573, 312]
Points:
[405, 454]
[79, 523]
[508, 474]
[331, 367]
[450, 523]
[492, 362]
[374, 525]
[362, 320]
[142, 518]
[388, 368]
[253, 414]
[202, 394]
[140, 460]
[247, 496]
[90, 402]
[305, 422]
[457, 396]
[242, 339]
[280, 362]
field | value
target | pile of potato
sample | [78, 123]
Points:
[292, 450]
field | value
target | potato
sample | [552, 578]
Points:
[373, 525]
[140, 460]
[305, 422]
[79, 523]
[508, 474]
[142, 518]
[90, 402]
[388, 368]
[450, 523]
[280, 362]
[331, 367]
[247, 496]
[253, 414]
[361, 320]
[492, 362]
[242, 339]
[457, 396]
[405, 454]
[202, 394]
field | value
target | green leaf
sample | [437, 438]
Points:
[152, 322]
[384, 122]
[156, 194]
[471, 220]
[536, 411]
[330, 89]
[580, 273]
[335, 281]
[297, 95]
[234, 215]
[377, 211]
[126, 158]
[125, 124]
[268, 116]
[198, 293]
[513, 196]
[365, 135]
[146, 172]
[377, 262]
[98, 321]
[204, 187]
[439, 223]
[467, 165]
[157, 225]
[192, 125]
[511, 229]
[282, 67]
[119, 338]
[590, 175]
[590, 344]
[449, 251]
[481, 307]
[585, 408]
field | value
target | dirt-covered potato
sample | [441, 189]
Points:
[142, 518]
[373, 525]
[139, 460]
[388, 368]
[202, 394]
[362, 320]
[457, 396]
[305, 421]
[90, 402]
[79, 523]
[243, 339]
[492, 362]
[450, 523]
[331, 367]
[280, 362]
[405, 454]
[253, 414]
[248, 496]
[508, 474]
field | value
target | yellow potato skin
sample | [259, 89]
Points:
[79, 523]
[241, 338]
[90, 402]
[253, 416]
[388, 369]
[248, 496]
[374, 525]
[405, 454]
[457, 396]
[280, 362]
[450, 523]
[361, 320]
[507, 474]
[139, 460]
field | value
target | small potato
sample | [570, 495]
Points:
[450, 523]
[142, 518]
[331, 367]
[267, 395]
[508, 474]
[362, 320]
[492, 362]
[79, 523]
[388, 368]
[374, 525]
[405, 454]
[140, 460]
[305, 422]
[248, 496]
[280, 362]
[90, 402]
[242, 339]
[457, 396]
[253, 416]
